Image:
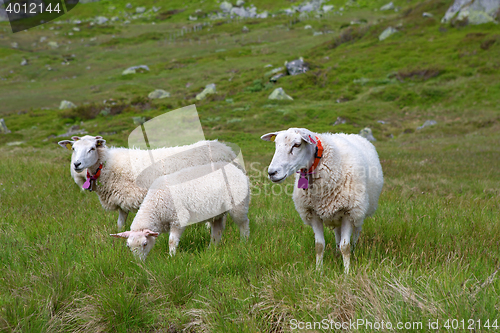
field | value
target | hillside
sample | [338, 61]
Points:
[431, 252]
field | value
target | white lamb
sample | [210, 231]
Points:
[189, 196]
[339, 184]
[127, 174]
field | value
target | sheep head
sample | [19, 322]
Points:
[84, 151]
[294, 151]
[139, 242]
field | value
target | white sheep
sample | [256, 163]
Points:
[189, 196]
[127, 174]
[340, 180]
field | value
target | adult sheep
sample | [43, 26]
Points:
[338, 182]
[189, 196]
[121, 177]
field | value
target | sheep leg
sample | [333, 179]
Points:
[355, 237]
[122, 218]
[317, 226]
[345, 246]
[174, 238]
[217, 227]
[239, 214]
[337, 237]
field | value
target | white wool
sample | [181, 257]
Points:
[189, 196]
[127, 174]
[343, 190]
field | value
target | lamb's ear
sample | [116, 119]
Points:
[269, 136]
[66, 144]
[98, 137]
[307, 136]
[76, 138]
[100, 142]
[124, 234]
[150, 233]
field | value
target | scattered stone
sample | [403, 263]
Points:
[317, 33]
[245, 29]
[3, 127]
[76, 29]
[193, 18]
[73, 130]
[308, 27]
[279, 94]
[263, 15]
[340, 121]
[473, 12]
[159, 94]
[268, 65]
[229, 100]
[156, 9]
[14, 143]
[276, 77]
[226, 6]
[390, 136]
[209, 89]
[389, 6]
[14, 45]
[240, 3]
[140, 10]
[381, 122]
[387, 33]
[297, 66]
[136, 69]
[425, 14]
[43, 39]
[129, 6]
[139, 120]
[24, 62]
[327, 8]
[66, 105]
[367, 134]
[427, 124]
[274, 71]
[101, 20]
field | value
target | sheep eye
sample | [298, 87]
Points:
[92, 148]
[144, 244]
[297, 145]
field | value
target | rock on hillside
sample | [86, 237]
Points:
[473, 12]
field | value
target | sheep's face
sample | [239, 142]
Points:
[139, 242]
[294, 151]
[84, 151]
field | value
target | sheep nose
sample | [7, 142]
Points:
[77, 164]
[272, 173]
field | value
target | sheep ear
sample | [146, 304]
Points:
[151, 233]
[100, 142]
[98, 137]
[76, 138]
[269, 136]
[124, 234]
[66, 144]
[307, 136]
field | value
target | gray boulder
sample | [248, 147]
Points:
[472, 11]
[136, 69]
[367, 134]
[3, 127]
[297, 66]
[140, 10]
[101, 20]
[389, 6]
[159, 94]
[240, 3]
[66, 105]
[209, 89]
[226, 6]
[245, 29]
[387, 33]
[427, 124]
[279, 94]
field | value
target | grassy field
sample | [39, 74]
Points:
[430, 253]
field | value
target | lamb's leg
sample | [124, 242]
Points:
[345, 238]
[355, 237]
[174, 238]
[217, 227]
[317, 226]
[337, 237]
[239, 214]
[122, 218]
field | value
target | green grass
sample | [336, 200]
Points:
[429, 253]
